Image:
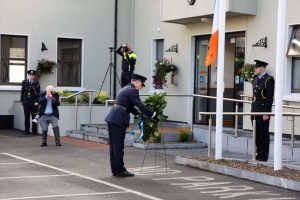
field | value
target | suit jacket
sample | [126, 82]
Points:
[263, 94]
[43, 104]
[127, 101]
[30, 92]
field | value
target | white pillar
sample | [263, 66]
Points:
[280, 64]
[220, 80]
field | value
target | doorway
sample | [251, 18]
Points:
[206, 78]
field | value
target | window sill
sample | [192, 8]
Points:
[292, 97]
[10, 87]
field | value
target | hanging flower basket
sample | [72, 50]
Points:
[247, 72]
[44, 67]
[162, 68]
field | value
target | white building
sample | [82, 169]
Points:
[151, 27]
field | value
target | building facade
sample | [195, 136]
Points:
[178, 30]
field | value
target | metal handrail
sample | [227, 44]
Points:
[254, 126]
[76, 103]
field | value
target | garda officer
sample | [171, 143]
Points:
[128, 63]
[29, 97]
[127, 101]
[263, 93]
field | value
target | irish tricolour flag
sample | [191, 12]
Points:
[213, 42]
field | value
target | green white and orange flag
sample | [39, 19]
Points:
[213, 42]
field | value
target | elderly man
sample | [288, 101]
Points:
[263, 93]
[49, 102]
[127, 101]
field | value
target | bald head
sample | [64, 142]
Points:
[50, 88]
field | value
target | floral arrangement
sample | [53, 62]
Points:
[247, 72]
[157, 103]
[162, 68]
[45, 66]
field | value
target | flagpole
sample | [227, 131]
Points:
[279, 83]
[220, 81]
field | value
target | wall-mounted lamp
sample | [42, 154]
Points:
[44, 48]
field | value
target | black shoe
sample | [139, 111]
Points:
[26, 133]
[58, 144]
[125, 174]
[43, 145]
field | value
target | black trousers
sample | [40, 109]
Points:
[126, 78]
[116, 147]
[30, 109]
[262, 138]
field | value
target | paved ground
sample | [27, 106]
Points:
[80, 170]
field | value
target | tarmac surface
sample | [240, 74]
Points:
[80, 170]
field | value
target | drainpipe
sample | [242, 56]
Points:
[115, 47]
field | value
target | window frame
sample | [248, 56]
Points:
[14, 86]
[80, 62]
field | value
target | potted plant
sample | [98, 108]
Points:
[66, 93]
[157, 103]
[162, 68]
[44, 67]
[247, 72]
[101, 97]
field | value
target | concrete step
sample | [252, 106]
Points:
[243, 143]
[89, 135]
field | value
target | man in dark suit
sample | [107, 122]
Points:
[127, 101]
[29, 97]
[48, 112]
[263, 94]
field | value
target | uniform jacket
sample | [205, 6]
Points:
[43, 104]
[30, 92]
[128, 60]
[263, 94]
[128, 98]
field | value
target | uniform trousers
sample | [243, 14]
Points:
[116, 148]
[126, 78]
[262, 138]
[30, 109]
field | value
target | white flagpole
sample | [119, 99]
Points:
[280, 56]
[220, 80]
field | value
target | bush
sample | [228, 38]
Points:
[184, 134]
[66, 93]
[84, 97]
[101, 97]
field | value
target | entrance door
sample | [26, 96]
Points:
[206, 77]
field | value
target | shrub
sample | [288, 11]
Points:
[66, 93]
[102, 96]
[156, 137]
[84, 97]
[184, 134]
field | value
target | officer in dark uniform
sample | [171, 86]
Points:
[127, 101]
[263, 93]
[128, 63]
[29, 97]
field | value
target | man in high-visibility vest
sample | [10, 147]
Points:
[128, 63]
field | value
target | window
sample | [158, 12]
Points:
[69, 62]
[13, 59]
[294, 53]
[159, 49]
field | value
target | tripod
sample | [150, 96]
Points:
[110, 68]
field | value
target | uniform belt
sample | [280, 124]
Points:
[259, 98]
[120, 106]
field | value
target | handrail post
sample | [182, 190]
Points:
[90, 107]
[254, 140]
[236, 119]
[293, 131]
[209, 136]
[76, 111]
